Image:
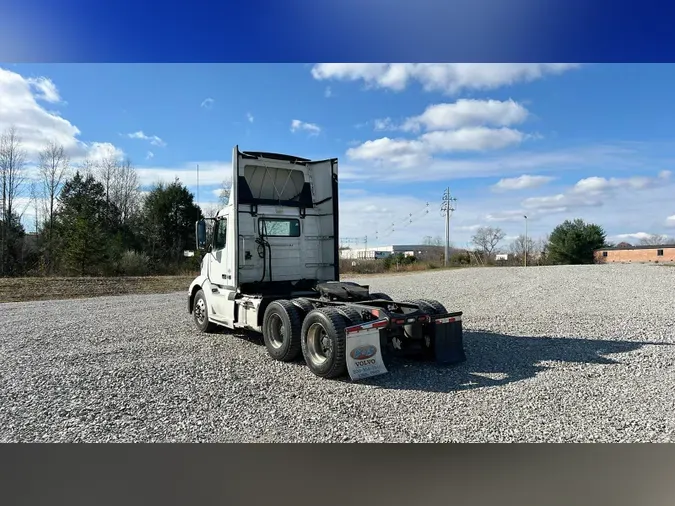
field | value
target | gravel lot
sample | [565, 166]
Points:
[555, 354]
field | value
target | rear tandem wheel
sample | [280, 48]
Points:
[281, 329]
[324, 342]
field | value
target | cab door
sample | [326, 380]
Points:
[220, 270]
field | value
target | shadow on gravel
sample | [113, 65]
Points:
[492, 360]
[497, 359]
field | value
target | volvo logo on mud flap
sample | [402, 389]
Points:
[363, 352]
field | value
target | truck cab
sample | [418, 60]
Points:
[272, 266]
[276, 238]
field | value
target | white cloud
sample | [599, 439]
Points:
[379, 168]
[407, 153]
[445, 77]
[524, 182]
[297, 125]
[467, 126]
[559, 202]
[249, 117]
[619, 210]
[467, 113]
[384, 124]
[210, 173]
[328, 92]
[468, 228]
[595, 192]
[637, 235]
[103, 150]
[472, 139]
[207, 103]
[150, 155]
[152, 139]
[670, 221]
[36, 126]
[596, 185]
[506, 216]
[46, 89]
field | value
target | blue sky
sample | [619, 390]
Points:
[553, 141]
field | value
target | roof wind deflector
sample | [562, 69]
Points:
[275, 156]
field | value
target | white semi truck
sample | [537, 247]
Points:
[271, 265]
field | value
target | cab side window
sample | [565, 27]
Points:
[220, 234]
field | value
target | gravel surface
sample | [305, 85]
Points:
[556, 354]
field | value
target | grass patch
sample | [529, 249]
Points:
[30, 289]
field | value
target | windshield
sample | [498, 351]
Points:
[279, 227]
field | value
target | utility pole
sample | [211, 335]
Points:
[526, 244]
[447, 207]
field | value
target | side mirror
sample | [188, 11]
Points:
[200, 234]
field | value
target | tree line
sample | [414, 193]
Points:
[89, 218]
[571, 242]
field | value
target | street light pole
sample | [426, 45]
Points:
[526, 243]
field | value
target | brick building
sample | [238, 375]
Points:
[636, 254]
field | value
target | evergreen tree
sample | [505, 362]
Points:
[573, 242]
[169, 216]
[83, 221]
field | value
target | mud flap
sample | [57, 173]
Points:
[364, 352]
[447, 338]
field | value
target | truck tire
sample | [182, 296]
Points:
[428, 306]
[281, 330]
[303, 304]
[324, 342]
[351, 315]
[437, 306]
[200, 313]
[380, 295]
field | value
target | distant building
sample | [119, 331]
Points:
[502, 256]
[379, 252]
[636, 254]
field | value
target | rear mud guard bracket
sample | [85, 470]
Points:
[447, 338]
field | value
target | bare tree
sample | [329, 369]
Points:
[53, 164]
[120, 183]
[106, 170]
[224, 192]
[656, 240]
[210, 210]
[125, 189]
[433, 241]
[12, 162]
[87, 167]
[487, 238]
[522, 245]
[35, 194]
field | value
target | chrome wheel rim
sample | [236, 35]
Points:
[276, 331]
[200, 311]
[319, 345]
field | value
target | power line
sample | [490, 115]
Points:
[407, 221]
[447, 207]
[386, 231]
